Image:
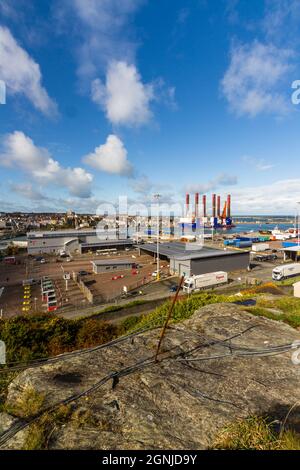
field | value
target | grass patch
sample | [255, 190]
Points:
[28, 405]
[5, 380]
[40, 432]
[291, 319]
[255, 433]
[288, 282]
[266, 288]
[183, 310]
[117, 308]
[288, 306]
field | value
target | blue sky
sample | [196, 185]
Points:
[113, 97]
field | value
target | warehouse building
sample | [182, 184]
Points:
[71, 241]
[186, 262]
[292, 253]
[112, 265]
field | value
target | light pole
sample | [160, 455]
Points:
[156, 197]
[298, 231]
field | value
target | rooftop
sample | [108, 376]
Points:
[61, 233]
[112, 262]
[104, 243]
[178, 250]
[291, 248]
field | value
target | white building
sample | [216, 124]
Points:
[296, 289]
[72, 241]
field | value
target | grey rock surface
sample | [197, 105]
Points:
[175, 403]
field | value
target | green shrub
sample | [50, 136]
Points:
[94, 331]
[41, 336]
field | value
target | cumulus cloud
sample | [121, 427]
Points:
[252, 82]
[22, 74]
[19, 151]
[106, 59]
[124, 97]
[110, 157]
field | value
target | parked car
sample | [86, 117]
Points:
[30, 282]
[272, 257]
[43, 261]
[83, 273]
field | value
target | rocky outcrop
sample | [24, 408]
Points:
[175, 403]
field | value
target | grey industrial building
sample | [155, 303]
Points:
[71, 241]
[189, 262]
[292, 253]
[105, 266]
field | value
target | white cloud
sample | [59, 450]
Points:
[278, 198]
[252, 82]
[19, 151]
[104, 28]
[28, 191]
[258, 164]
[110, 157]
[22, 74]
[124, 97]
[281, 20]
[221, 180]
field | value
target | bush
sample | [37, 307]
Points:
[94, 331]
[41, 336]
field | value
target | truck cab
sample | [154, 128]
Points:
[277, 274]
[188, 285]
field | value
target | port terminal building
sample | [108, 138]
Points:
[72, 241]
[188, 262]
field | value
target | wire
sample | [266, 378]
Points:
[51, 360]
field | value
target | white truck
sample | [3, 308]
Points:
[204, 281]
[285, 271]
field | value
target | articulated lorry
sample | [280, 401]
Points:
[285, 271]
[204, 281]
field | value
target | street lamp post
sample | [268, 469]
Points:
[298, 228]
[157, 196]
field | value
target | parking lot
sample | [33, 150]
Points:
[104, 287]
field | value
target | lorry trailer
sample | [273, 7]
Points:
[288, 270]
[204, 281]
